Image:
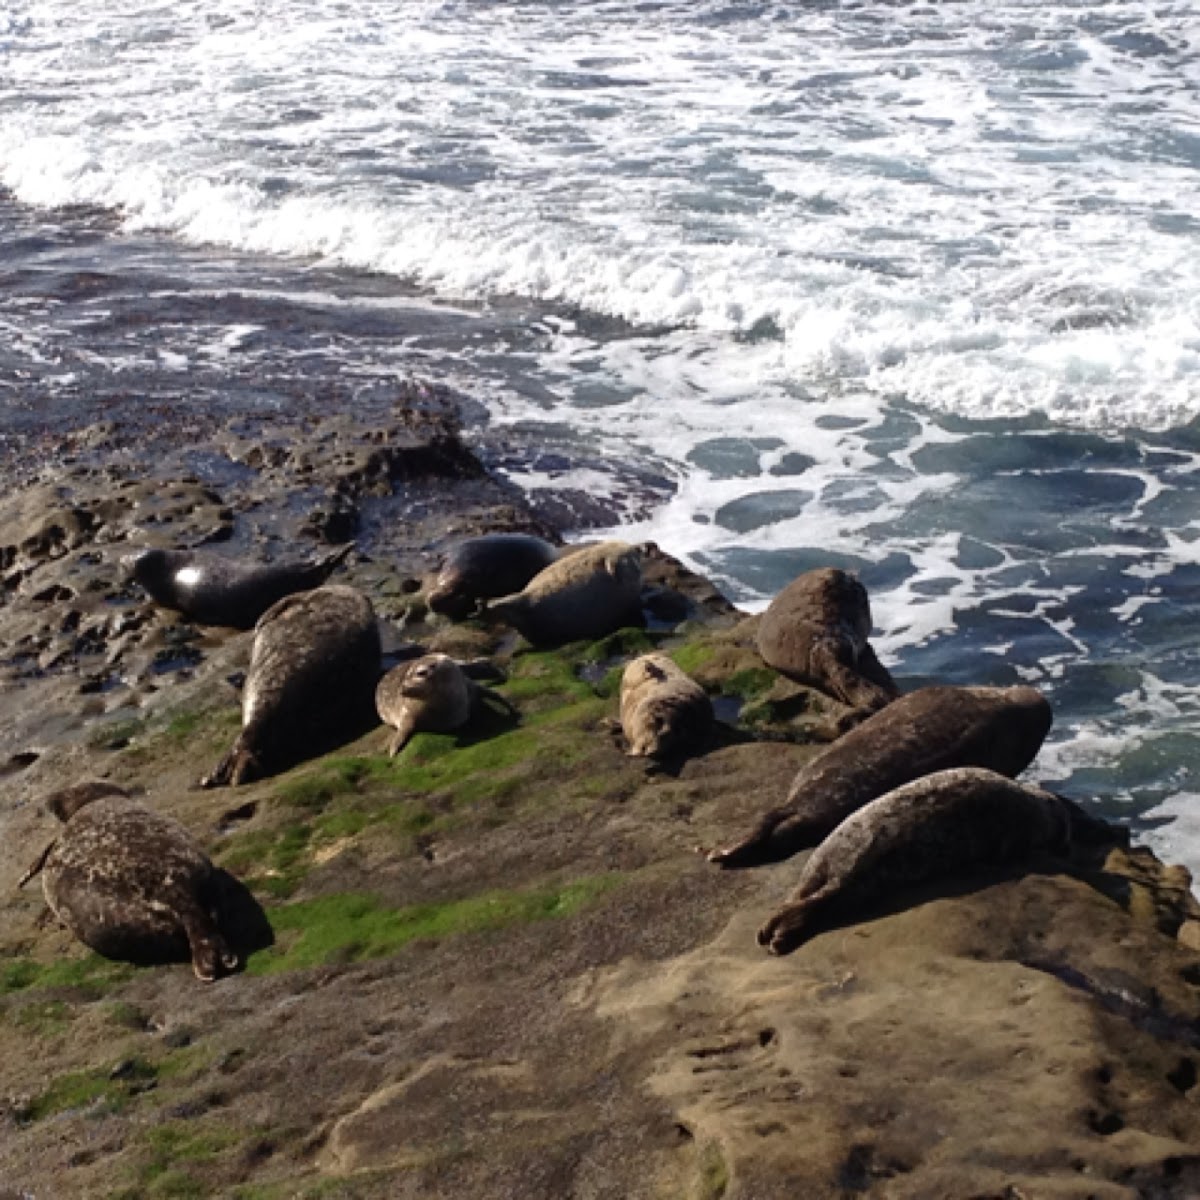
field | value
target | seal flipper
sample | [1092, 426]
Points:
[844, 680]
[484, 695]
[237, 767]
[210, 952]
[36, 866]
[872, 669]
[787, 928]
[754, 848]
[404, 732]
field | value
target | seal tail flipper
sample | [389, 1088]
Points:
[753, 848]
[844, 682]
[404, 732]
[211, 954]
[870, 667]
[788, 928]
[237, 767]
[325, 567]
[487, 696]
[36, 866]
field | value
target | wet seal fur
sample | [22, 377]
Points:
[815, 631]
[131, 883]
[941, 826]
[313, 671]
[430, 694]
[587, 594]
[663, 710]
[485, 568]
[211, 589]
[931, 729]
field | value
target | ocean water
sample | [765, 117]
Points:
[908, 287]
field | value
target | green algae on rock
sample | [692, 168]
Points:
[351, 928]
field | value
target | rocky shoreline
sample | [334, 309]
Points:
[499, 967]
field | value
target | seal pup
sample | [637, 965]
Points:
[211, 589]
[486, 567]
[131, 883]
[587, 594]
[430, 694]
[313, 671]
[931, 729]
[937, 827]
[663, 710]
[815, 631]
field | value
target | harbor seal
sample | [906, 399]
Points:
[485, 568]
[430, 694]
[815, 631]
[214, 590]
[931, 729]
[663, 710]
[586, 594]
[313, 671]
[131, 883]
[937, 827]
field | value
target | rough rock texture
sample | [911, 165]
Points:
[500, 969]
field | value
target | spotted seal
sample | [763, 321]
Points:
[485, 568]
[430, 694]
[931, 729]
[663, 710]
[313, 671]
[815, 631]
[212, 589]
[940, 826]
[586, 594]
[131, 883]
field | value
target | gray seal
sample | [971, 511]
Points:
[430, 694]
[942, 826]
[815, 632]
[931, 729]
[587, 594]
[313, 669]
[211, 589]
[131, 883]
[664, 712]
[485, 568]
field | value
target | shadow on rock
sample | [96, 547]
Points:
[243, 921]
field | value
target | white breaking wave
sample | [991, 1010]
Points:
[983, 208]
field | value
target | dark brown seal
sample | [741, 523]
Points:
[589, 593]
[131, 883]
[485, 568]
[815, 632]
[663, 710]
[938, 827]
[214, 590]
[430, 694]
[312, 677]
[931, 729]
